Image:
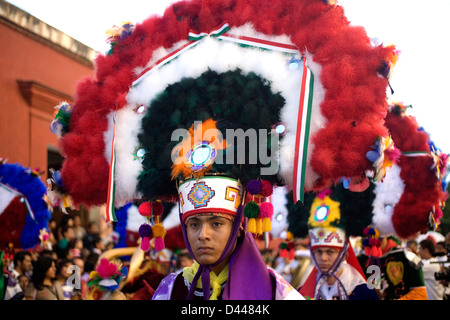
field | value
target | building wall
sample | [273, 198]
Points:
[40, 67]
[36, 74]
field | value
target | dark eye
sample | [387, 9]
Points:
[217, 223]
[192, 225]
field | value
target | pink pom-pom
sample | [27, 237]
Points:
[107, 269]
[159, 244]
[266, 210]
[145, 209]
[266, 188]
[145, 244]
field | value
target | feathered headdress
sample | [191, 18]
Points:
[198, 57]
[410, 199]
[222, 101]
[24, 210]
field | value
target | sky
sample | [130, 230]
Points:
[418, 29]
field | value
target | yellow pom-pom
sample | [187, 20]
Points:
[289, 236]
[259, 226]
[266, 224]
[159, 231]
[251, 227]
[377, 233]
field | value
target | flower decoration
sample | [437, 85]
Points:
[324, 211]
[371, 242]
[439, 162]
[195, 155]
[61, 121]
[384, 156]
[106, 277]
[56, 194]
[116, 33]
[44, 237]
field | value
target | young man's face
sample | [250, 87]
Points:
[325, 257]
[208, 236]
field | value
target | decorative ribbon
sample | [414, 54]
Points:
[219, 33]
[110, 207]
[302, 134]
[415, 153]
[22, 197]
[214, 33]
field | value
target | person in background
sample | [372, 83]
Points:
[67, 235]
[81, 292]
[43, 285]
[441, 251]
[98, 245]
[24, 281]
[401, 272]
[184, 259]
[337, 274]
[412, 245]
[92, 230]
[74, 248]
[5, 260]
[22, 265]
[78, 228]
[62, 276]
[435, 290]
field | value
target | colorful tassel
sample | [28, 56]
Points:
[251, 211]
[158, 229]
[283, 250]
[258, 225]
[146, 231]
[371, 242]
[266, 212]
[159, 232]
[258, 210]
[291, 250]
